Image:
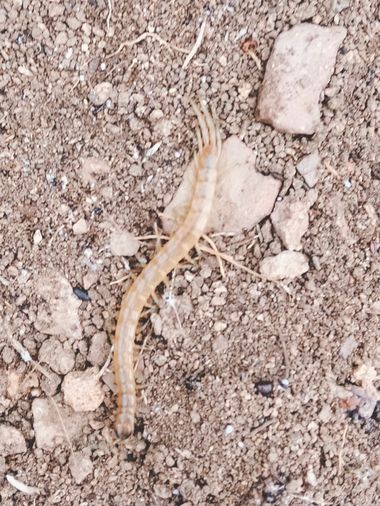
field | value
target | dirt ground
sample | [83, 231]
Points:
[208, 434]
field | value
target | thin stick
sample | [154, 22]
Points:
[340, 456]
[109, 14]
[143, 36]
[62, 424]
[106, 364]
[286, 356]
[197, 44]
[216, 253]
[262, 427]
[230, 260]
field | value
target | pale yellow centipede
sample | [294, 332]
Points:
[184, 238]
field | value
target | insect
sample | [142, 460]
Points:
[183, 240]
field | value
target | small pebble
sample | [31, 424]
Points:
[37, 237]
[81, 294]
[80, 466]
[80, 227]
[82, 390]
[264, 388]
[229, 429]
[99, 95]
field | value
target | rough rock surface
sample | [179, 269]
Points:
[58, 312]
[285, 265]
[11, 441]
[308, 168]
[299, 68]
[243, 197]
[80, 466]
[82, 390]
[50, 426]
[290, 219]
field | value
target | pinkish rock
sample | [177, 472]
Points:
[290, 219]
[285, 265]
[243, 197]
[299, 68]
[308, 168]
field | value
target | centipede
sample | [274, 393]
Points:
[184, 238]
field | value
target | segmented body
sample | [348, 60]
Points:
[183, 240]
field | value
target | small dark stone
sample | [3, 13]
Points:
[264, 388]
[81, 294]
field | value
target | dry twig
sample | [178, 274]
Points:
[197, 44]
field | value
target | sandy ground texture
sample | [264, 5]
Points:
[253, 391]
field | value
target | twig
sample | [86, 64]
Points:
[25, 356]
[286, 356]
[22, 487]
[229, 259]
[216, 253]
[109, 15]
[262, 427]
[62, 424]
[106, 364]
[197, 44]
[143, 36]
[340, 456]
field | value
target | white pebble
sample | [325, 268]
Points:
[37, 237]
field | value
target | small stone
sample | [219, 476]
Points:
[311, 478]
[124, 244]
[135, 170]
[124, 100]
[195, 416]
[245, 89]
[375, 307]
[170, 462]
[80, 227]
[37, 237]
[160, 360]
[59, 359]
[163, 127]
[348, 346]
[61, 39]
[11, 441]
[80, 466]
[82, 390]
[264, 388]
[50, 385]
[308, 168]
[73, 23]
[99, 349]
[299, 68]
[99, 95]
[228, 430]
[325, 413]
[220, 344]
[89, 279]
[162, 491]
[287, 264]
[219, 326]
[92, 167]
[56, 9]
[290, 219]
[243, 198]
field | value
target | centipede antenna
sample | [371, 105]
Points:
[199, 138]
[209, 123]
[202, 123]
